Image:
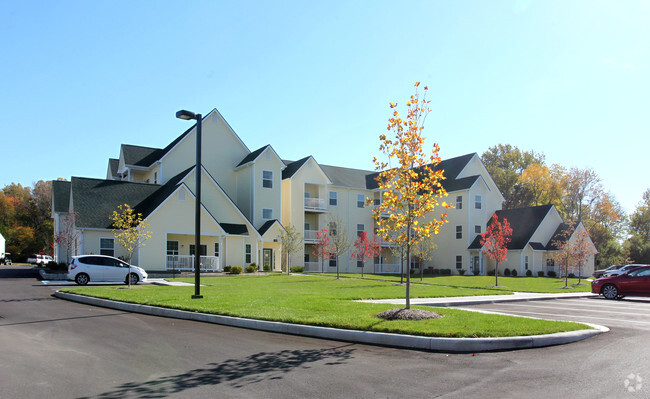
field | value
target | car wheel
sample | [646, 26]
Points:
[82, 279]
[610, 291]
[134, 279]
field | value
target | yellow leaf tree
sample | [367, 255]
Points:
[409, 183]
[130, 231]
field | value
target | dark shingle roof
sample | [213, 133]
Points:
[266, 226]
[252, 156]
[234, 228]
[538, 246]
[113, 165]
[61, 195]
[524, 222]
[292, 167]
[140, 156]
[346, 177]
[560, 234]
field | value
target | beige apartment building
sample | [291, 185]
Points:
[249, 197]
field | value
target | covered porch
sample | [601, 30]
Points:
[181, 252]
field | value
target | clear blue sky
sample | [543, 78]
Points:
[566, 78]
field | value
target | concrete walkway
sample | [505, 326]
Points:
[463, 345]
[482, 299]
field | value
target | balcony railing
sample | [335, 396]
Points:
[186, 263]
[311, 235]
[314, 266]
[315, 204]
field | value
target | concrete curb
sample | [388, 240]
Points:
[482, 300]
[365, 337]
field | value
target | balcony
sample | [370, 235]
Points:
[311, 236]
[186, 263]
[316, 205]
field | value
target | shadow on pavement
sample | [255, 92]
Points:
[255, 368]
[18, 272]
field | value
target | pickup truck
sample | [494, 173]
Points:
[39, 259]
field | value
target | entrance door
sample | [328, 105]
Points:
[267, 258]
[476, 266]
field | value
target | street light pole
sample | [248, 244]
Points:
[187, 115]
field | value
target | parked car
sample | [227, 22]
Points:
[600, 273]
[41, 260]
[635, 282]
[621, 270]
[86, 268]
[6, 259]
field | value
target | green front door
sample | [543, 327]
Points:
[267, 259]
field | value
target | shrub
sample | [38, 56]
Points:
[251, 268]
[226, 269]
[461, 272]
[571, 275]
[445, 272]
[506, 272]
[540, 273]
[297, 269]
[529, 273]
[513, 273]
[236, 269]
[552, 273]
[436, 272]
[267, 268]
[491, 272]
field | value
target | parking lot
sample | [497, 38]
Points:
[633, 313]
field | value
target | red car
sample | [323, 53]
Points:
[635, 282]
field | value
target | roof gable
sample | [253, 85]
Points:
[524, 222]
[251, 157]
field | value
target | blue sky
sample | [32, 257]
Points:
[566, 78]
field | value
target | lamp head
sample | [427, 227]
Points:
[186, 115]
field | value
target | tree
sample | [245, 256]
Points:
[130, 231]
[411, 189]
[292, 241]
[583, 188]
[640, 219]
[423, 251]
[495, 241]
[68, 235]
[364, 249]
[564, 249]
[339, 241]
[322, 247]
[506, 164]
[581, 249]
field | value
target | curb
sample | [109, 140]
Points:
[501, 299]
[364, 337]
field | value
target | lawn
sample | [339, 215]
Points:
[509, 284]
[323, 301]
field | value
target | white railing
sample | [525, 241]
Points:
[311, 235]
[387, 268]
[186, 263]
[315, 203]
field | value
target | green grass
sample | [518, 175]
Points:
[323, 301]
[509, 284]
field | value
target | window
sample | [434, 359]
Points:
[526, 262]
[248, 254]
[332, 262]
[459, 261]
[359, 263]
[307, 195]
[332, 228]
[216, 249]
[306, 258]
[267, 214]
[333, 198]
[477, 202]
[307, 226]
[459, 202]
[550, 262]
[172, 247]
[107, 246]
[203, 249]
[477, 229]
[361, 200]
[155, 177]
[415, 263]
[459, 232]
[267, 179]
[360, 229]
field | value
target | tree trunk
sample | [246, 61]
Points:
[337, 268]
[496, 274]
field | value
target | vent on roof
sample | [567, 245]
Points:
[182, 195]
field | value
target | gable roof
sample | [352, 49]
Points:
[253, 155]
[346, 177]
[113, 166]
[267, 226]
[234, 228]
[140, 156]
[560, 234]
[60, 196]
[293, 167]
[524, 222]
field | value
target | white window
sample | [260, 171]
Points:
[477, 229]
[333, 198]
[459, 232]
[249, 255]
[459, 261]
[477, 202]
[172, 247]
[216, 249]
[107, 246]
[459, 202]
[267, 179]
[360, 229]
[361, 200]
[267, 213]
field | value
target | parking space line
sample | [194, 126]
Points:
[604, 303]
[590, 310]
[564, 315]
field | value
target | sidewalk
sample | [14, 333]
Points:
[478, 300]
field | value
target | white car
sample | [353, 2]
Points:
[35, 259]
[622, 270]
[86, 268]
